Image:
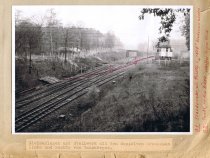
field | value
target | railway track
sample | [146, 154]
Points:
[46, 101]
[55, 87]
[42, 110]
[50, 97]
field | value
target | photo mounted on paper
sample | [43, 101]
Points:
[102, 69]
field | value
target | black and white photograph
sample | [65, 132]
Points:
[102, 69]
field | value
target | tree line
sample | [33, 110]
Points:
[50, 37]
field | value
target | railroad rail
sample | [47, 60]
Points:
[59, 85]
[46, 101]
[53, 89]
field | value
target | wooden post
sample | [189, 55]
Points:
[30, 62]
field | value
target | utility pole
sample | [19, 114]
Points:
[81, 40]
[147, 48]
[51, 43]
[66, 45]
[30, 60]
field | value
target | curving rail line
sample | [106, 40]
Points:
[58, 95]
[59, 85]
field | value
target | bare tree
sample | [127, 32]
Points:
[52, 23]
[109, 41]
[27, 39]
[66, 43]
[18, 16]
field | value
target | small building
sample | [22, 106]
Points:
[164, 51]
[133, 53]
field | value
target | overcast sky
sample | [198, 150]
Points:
[122, 20]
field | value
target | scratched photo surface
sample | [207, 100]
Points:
[101, 69]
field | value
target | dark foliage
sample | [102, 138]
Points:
[168, 18]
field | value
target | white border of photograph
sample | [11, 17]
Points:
[105, 133]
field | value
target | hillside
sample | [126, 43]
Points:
[148, 98]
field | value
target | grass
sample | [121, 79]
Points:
[152, 100]
[148, 98]
[55, 68]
